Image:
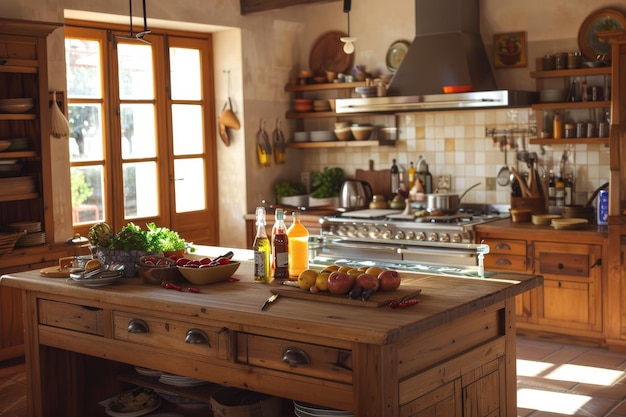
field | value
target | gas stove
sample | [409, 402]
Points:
[395, 235]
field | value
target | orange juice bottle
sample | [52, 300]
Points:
[298, 247]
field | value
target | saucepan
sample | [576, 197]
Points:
[446, 203]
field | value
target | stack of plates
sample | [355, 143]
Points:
[10, 168]
[568, 223]
[15, 105]
[553, 95]
[4, 145]
[148, 372]
[181, 401]
[300, 136]
[17, 185]
[368, 91]
[18, 144]
[321, 105]
[180, 381]
[32, 239]
[30, 227]
[322, 136]
[311, 410]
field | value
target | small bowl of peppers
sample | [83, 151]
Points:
[203, 270]
[157, 269]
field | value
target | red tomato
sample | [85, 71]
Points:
[205, 261]
[182, 261]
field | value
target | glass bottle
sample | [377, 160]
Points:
[280, 247]
[298, 250]
[412, 174]
[395, 177]
[557, 126]
[262, 249]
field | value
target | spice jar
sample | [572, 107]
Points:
[603, 130]
[560, 61]
[548, 63]
[580, 130]
[574, 60]
[570, 131]
[591, 130]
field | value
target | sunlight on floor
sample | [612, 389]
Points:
[553, 402]
[566, 372]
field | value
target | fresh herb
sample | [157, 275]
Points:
[132, 237]
[288, 189]
[326, 183]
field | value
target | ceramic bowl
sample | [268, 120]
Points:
[209, 274]
[362, 132]
[344, 133]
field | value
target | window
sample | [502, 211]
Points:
[142, 143]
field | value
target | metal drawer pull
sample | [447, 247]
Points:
[196, 336]
[295, 356]
[137, 326]
[503, 261]
[504, 246]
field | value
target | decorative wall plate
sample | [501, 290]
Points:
[327, 55]
[396, 53]
[600, 20]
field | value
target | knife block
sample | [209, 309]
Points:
[537, 205]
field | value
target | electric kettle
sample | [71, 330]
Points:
[355, 194]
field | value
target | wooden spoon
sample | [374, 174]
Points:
[524, 187]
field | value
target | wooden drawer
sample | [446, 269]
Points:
[306, 359]
[75, 317]
[506, 246]
[503, 262]
[571, 264]
[171, 335]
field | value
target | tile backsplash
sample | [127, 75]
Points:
[455, 143]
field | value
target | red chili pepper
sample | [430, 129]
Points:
[393, 303]
[233, 279]
[172, 286]
[192, 289]
[411, 302]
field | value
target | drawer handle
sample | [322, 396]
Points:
[503, 261]
[196, 336]
[503, 246]
[295, 356]
[137, 326]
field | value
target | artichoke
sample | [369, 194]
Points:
[100, 234]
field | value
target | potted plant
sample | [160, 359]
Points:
[325, 186]
[165, 240]
[292, 193]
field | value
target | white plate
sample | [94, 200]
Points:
[147, 371]
[112, 405]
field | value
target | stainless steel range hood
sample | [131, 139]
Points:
[447, 51]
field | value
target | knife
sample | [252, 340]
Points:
[269, 301]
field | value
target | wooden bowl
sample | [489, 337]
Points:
[362, 132]
[210, 274]
[344, 133]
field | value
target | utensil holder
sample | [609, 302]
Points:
[537, 205]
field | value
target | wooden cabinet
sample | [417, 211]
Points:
[572, 300]
[571, 297]
[573, 111]
[25, 195]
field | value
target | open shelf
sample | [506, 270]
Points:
[341, 144]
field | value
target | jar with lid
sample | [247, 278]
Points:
[574, 60]
[591, 130]
[580, 130]
[560, 61]
[570, 131]
[548, 63]
[603, 130]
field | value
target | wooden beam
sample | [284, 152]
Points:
[254, 6]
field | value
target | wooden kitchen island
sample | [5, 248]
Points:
[453, 354]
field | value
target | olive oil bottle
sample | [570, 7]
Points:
[280, 247]
[262, 249]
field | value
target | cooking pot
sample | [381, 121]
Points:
[446, 203]
[355, 194]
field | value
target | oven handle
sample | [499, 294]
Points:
[440, 251]
[355, 245]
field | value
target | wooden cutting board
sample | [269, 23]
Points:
[55, 272]
[379, 180]
[378, 299]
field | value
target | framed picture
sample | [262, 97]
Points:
[509, 50]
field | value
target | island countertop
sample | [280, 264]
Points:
[461, 325]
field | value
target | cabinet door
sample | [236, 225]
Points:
[571, 295]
